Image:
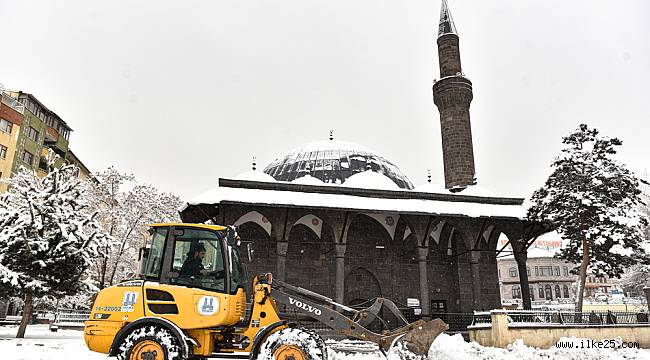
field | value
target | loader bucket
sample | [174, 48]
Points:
[418, 336]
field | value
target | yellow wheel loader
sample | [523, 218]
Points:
[189, 302]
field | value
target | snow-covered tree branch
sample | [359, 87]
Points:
[126, 208]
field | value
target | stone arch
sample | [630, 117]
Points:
[256, 217]
[265, 255]
[310, 251]
[376, 218]
[312, 222]
[361, 285]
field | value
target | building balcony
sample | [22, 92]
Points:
[12, 103]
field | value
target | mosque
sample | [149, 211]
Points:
[340, 219]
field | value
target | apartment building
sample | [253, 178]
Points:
[27, 130]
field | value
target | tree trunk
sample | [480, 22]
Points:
[583, 273]
[27, 315]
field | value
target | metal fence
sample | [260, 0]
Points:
[567, 317]
[458, 322]
[70, 317]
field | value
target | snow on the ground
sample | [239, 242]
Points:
[41, 344]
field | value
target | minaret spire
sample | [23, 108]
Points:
[446, 25]
[452, 94]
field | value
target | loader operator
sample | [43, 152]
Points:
[193, 265]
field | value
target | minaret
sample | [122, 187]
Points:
[452, 94]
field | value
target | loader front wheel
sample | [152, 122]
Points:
[150, 343]
[293, 344]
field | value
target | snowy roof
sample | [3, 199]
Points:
[432, 188]
[472, 190]
[341, 197]
[371, 180]
[253, 175]
[307, 180]
[333, 162]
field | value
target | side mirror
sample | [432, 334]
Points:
[143, 256]
[249, 251]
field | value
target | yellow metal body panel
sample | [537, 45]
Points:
[114, 307]
[198, 308]
[264, 312]
[99, 334]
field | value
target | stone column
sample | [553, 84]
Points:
[475, 268]
[281, 270]
[340, 273]
[423, 252]
[521, 255]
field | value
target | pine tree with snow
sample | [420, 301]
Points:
[48, 236]
[125, 210]
[594, 201]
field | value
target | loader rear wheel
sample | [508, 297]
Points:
[150, 343]
[293, 344]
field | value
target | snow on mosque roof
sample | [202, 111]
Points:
[333, 161]
[253, 175]
[370, 180]
[306, 180]
[334, 197]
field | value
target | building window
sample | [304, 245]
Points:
[541, 292]
[548, 292]
[32, 133]
[536, 270]
[5, 126]
[546, 271]
[566, 271]
[516, 292]
[28, 157]
[565, 289]
[513, 272]
[557, 271]
[558, 294]
[3, 152]
[532, 293]
[527, 271]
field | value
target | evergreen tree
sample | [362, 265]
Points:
[48, 236]
[595, 203]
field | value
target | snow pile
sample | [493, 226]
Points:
[253, 175]
[308, 180]
[370, 180]
[447, 347]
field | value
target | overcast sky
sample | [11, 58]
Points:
[183, 92]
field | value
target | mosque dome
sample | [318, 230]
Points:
[334, 162]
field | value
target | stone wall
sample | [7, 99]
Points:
[500, 333]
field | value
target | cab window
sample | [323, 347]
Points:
[154, 259]
[198, 260]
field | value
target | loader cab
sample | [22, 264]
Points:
[192, 255]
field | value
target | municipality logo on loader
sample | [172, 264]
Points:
[208, 305]
[129, 300]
